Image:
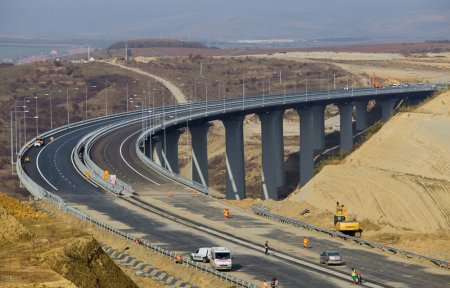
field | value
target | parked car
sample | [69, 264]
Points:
[331, 257]
[39, 142]
[201, 254]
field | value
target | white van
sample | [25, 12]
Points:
[201, 254]
[220, 258]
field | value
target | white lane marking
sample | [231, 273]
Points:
[37, 157]
[39, 170]
[121, 155]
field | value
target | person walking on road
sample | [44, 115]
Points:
[274, 283]
[359, 278]
[264, 284]
[354, 275]
[266, 246]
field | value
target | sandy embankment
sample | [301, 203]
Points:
[399, 180]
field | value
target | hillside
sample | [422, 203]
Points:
[400, 177]
[397, 183]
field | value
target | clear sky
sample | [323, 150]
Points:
[226, 20]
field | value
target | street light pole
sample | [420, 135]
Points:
[334, 81]
[86, 100]
[243, 91]
[12, 144]
[306, 86]
[67, 105]
[37, 117]
[24, 123]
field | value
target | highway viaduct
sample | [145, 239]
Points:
[54, 170]
[161, 145]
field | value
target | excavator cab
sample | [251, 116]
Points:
[344, 224]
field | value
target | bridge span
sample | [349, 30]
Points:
[159, 143]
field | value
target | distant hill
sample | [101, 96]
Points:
[151, 43]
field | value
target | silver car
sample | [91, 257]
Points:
[331, 257]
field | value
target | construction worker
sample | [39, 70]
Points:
[354, 275]
[305, 243]
[264, 284]
[179, 260]
[359, 278]
[266, 246]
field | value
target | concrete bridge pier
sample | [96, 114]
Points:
[346, 135]
[159, 147]
[361, 115]
[306, 144]
[235, 175]
[272, 170]
[387, 108]
[200, 152]
[319, 126]
[171, 149]
[149, 146]
[166, 147]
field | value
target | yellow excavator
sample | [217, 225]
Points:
[344, 224]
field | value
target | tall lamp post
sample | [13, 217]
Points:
[17, 124]
[206, 95]
[67, 105]
[86, 100]
[12, 142]
[24, 120]
[51, 108]
[106, 96]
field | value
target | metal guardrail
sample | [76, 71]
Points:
[183, 113]
[96, 174]
[236, 105]
[41, 193]
[266, 213]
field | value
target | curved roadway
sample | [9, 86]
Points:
[152, 188]
[54, 170]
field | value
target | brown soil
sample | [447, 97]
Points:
[82, 261]
[398, 182]
[54, 249]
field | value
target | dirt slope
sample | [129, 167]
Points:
[400, 177]
[39, 251]
[83, 262]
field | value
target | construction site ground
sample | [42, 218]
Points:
[50, 248]
[396, 184]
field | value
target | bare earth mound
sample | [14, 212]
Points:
[12, 229]
[83, 262]
[399, 181]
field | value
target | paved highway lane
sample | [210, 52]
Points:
[56, 166]
[377, 266]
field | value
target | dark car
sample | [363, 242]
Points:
[331, 257]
